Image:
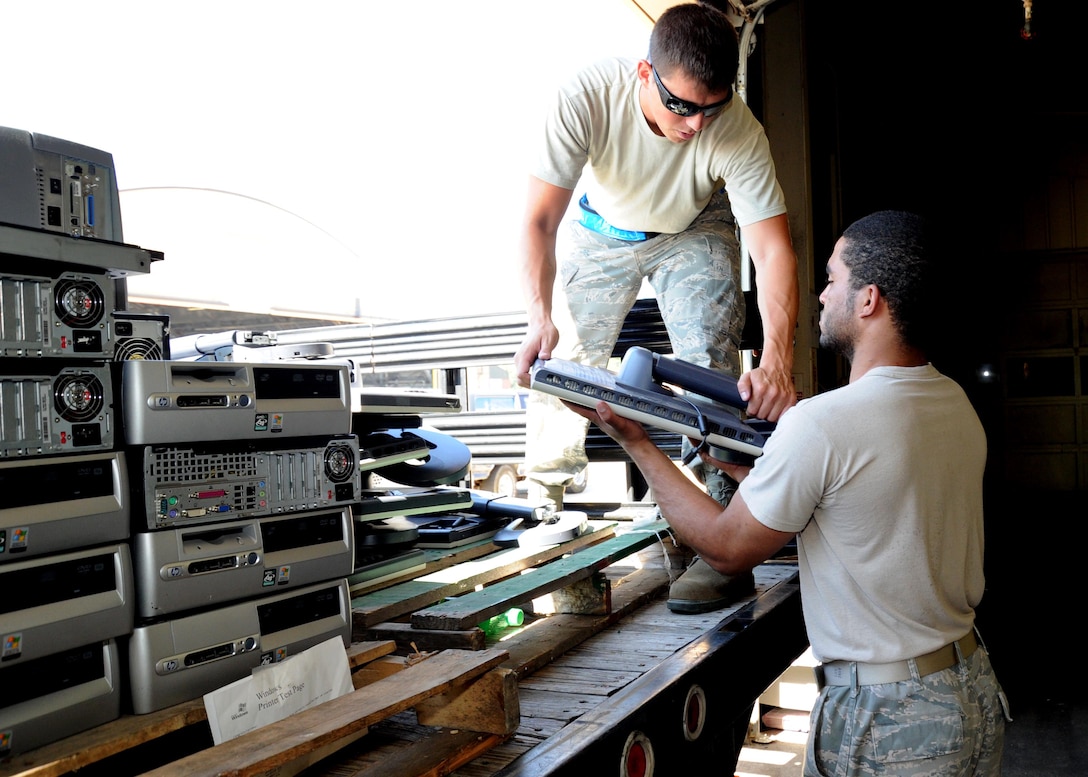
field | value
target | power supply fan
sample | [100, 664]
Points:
[78, 397]
[339, 463]
[135, 348]
[79, 302]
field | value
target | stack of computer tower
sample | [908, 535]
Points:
[243, 479]
[65, 561]
[406, 468]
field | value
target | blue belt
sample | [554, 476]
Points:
[591, 219]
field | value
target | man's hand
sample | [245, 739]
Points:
[769, 393]
[538, 344]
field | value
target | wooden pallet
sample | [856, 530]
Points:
[444, 610]
[578, 672]
[451, 688]
[440, 688]
[438, 584]
[465, 611]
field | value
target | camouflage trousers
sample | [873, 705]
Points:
[949, 723]
[695, 276]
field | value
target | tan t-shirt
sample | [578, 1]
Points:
[642, 181]
[882, 478]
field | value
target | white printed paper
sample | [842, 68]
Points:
[276, 691]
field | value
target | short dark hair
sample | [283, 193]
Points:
[699, 40]
[893, 250]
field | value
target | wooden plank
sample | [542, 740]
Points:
[498, 756]
[360, 653]
[75, 752]
[637, 655]
[438, 755]
[601, 681]
[130, 731]
[385, 740]
[587, 597]
[390, 603]
[489, 705]
[400, 747]
[469, 609]
[305, 761]
[264, 750]
[434, 559]
[378, 670]
[661, 633]
[541, 706]
[410, 639]
[590, 596]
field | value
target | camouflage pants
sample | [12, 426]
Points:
[695, 276]
[947, 724]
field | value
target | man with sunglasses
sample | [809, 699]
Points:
[677, 164]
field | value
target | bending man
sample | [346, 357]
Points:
[678, 163]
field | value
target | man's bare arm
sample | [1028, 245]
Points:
[769, 387]
[730, 540]
[546, 205]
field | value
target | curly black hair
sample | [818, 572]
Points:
[893, 250]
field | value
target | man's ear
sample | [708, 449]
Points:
[869, 299]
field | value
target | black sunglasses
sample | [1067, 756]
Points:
[683, 107]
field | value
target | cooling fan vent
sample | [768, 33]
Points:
[79, 303]
[339, 463]
[136, 348]
[78, 397]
